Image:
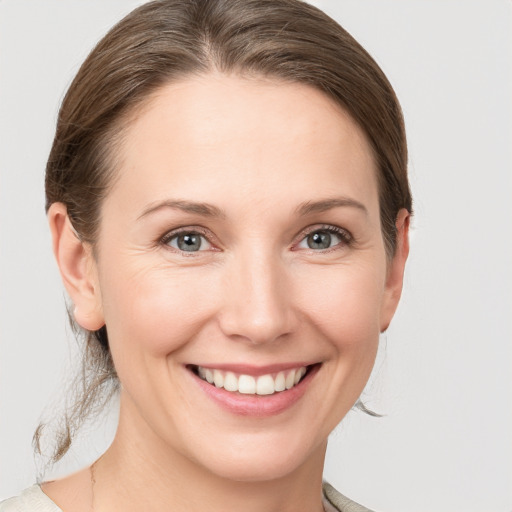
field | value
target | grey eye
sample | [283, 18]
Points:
[322, 239]
[189, 242]
[319, 240]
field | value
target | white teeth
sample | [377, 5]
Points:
[246, 385]
[265, 385]
[230, 382]
[218, 378]
[280, 384]
[208, 375]
[299, 374]
[249, 385]
[290, 380]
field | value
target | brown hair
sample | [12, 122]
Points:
[166, 40]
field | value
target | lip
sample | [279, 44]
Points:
[256, 405]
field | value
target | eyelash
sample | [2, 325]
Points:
[166, 239]
[346, 238]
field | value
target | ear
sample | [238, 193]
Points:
[77, 269]
[396, 267]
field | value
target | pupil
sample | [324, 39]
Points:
[319, 240]
[189, 242]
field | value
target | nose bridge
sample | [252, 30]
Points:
[257, 304]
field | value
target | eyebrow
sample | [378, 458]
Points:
[209, 210]
[203, 209]
[324, 205]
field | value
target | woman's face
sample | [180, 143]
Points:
[241, 242]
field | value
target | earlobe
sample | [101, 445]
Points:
[77, 269]
[395, 275]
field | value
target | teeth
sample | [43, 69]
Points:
[230, 382]
[208, 375]
[290, 380]
[218, 378]
[280, 382]
[265, 385]
[299, 374]
[246, 385]
[249, 385]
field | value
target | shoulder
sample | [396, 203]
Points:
[32, 499]
[335, 501]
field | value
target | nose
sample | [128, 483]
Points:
[257, 304]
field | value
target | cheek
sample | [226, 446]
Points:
[154, 312]
[344, 304]
[348, 297]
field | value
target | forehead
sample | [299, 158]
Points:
[255, 137]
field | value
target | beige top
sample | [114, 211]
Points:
[34, 499]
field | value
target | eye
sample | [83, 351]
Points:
[187, 241]
[324, 238]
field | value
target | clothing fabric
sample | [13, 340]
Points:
[339, 502]
[34, 499]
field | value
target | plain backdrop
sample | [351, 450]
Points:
[443, 377]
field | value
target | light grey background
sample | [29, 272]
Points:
[444, 375]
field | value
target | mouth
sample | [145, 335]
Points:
[263, 385]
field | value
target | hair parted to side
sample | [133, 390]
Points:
[167, 40]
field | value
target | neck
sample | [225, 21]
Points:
[133, 473]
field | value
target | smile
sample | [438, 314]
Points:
[267, 384]
[258, 392]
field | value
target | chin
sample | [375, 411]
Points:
[252, 470]
[261, 459]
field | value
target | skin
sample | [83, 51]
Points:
[258, 152]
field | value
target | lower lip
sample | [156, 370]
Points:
[257, 405]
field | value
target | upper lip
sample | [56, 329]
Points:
[254, 370]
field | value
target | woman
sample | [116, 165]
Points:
[228, 200]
